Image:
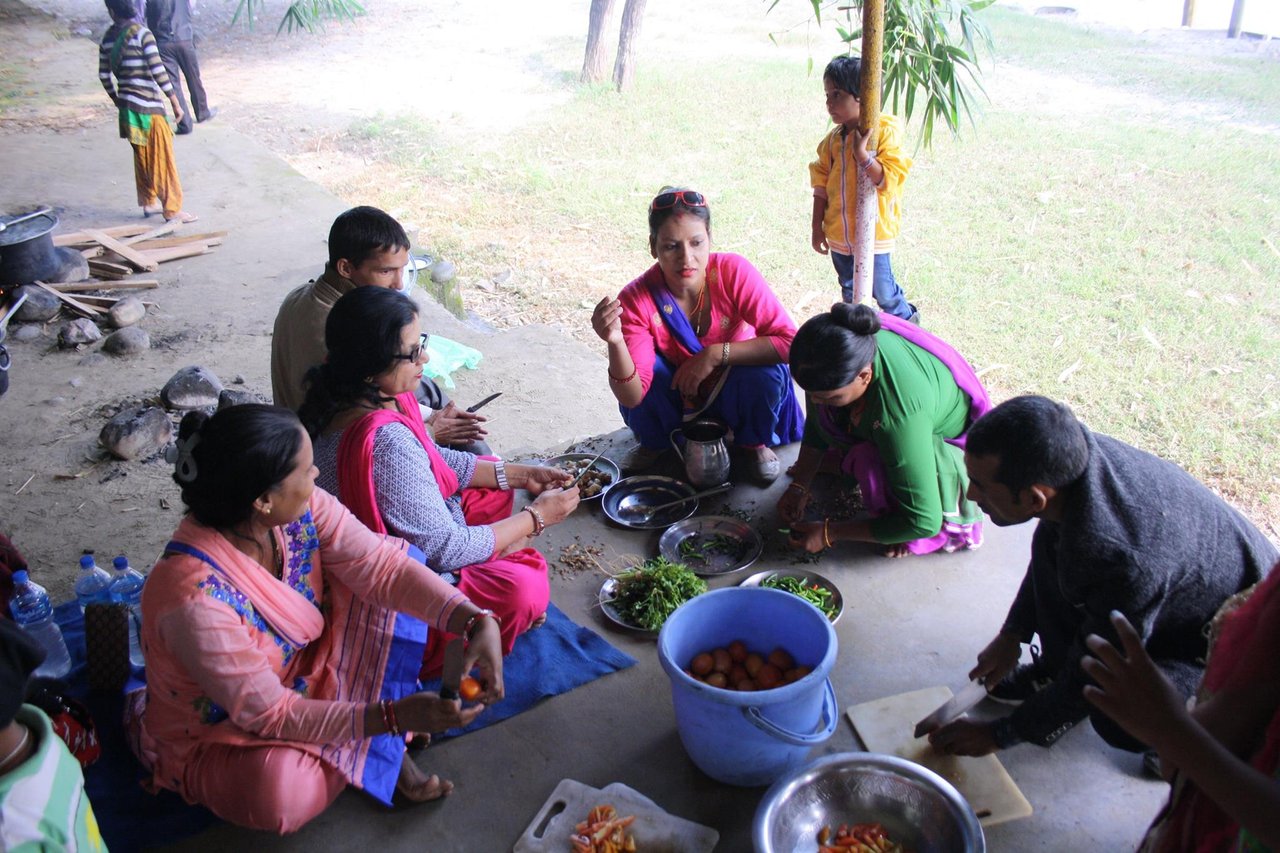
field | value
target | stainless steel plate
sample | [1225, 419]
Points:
[711, 545]
[636, 494]
[806, 577]
[612, 473]
[607, 593]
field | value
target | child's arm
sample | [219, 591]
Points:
[819, 237]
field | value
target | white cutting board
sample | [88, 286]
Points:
[654, 830]
[885, 725]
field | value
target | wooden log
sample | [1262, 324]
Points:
[107, 269]
[72, 237]
[83, 286]
[159, 231]
[213, 238]
[174, 253]
[106, 301]
[76, 304]
[136, 259]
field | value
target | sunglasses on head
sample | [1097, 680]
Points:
[415, 353]
[689, 198]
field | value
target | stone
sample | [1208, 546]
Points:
[126, 312]
[191, 387]
[26, 334]
[235, 397]
[75, 381]
[73, 333]
[41, 305]
[238, 380]
[136, 433]
[443, 272]
[127, 341]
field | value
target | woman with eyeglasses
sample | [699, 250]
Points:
[456, 508]
[699, 332]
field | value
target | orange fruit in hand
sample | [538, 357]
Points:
[469, 689]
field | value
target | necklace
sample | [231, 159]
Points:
[26, 736]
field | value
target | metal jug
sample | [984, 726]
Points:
[705, 457]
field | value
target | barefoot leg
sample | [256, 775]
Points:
[416, 786]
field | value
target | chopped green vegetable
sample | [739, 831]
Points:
[698, 548]
[816, 594]
[647, 594]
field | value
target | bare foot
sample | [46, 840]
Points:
[539, 622]
[896, 551]
[417, 787]
[182, 216]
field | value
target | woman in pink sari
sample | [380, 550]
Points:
[374, 453]
[278, 670]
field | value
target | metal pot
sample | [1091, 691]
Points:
[27, 252]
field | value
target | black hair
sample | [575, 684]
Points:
[657, 217]
[831, 349]
[359, 232]
[237, 454]
[1038, 442]
[362, 338]
[845, 73]
[122, 9]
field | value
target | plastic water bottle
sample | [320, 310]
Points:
[93, 587]
[33, 611]
[126, 587]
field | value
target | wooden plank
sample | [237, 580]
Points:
[107, 301]
[107, 273]
[110, 267]
[83, 308]
[92, 251]
[174, 253]
[159, 231]
[84, 286]
[137, 259]
[213, 238]
[115, 231]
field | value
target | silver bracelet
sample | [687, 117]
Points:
[500, 474]
[867, 165]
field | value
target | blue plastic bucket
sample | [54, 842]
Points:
[750, 738]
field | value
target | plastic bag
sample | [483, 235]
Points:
[448, 356]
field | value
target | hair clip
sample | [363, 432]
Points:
[180, 456]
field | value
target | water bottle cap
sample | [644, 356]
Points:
[21, 576]
[86, 562]
[121, 563]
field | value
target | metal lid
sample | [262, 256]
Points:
[37, 226]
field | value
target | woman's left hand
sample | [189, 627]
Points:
[1131, 689]
[691, 374]
[807, 536]
[539, 478]
[484, 653]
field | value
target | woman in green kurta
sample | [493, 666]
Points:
[893, 404]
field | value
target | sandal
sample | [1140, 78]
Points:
[182, 216]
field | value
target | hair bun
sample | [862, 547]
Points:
[192, 423]
[859, 319]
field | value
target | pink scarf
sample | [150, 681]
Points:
[355, 460]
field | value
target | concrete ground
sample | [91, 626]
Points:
[909, 624]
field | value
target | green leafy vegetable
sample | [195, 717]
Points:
[816, 594]
[698, 548]
[647, 594]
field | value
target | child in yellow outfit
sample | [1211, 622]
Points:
[834, 176]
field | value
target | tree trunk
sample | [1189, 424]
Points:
[624, 69]
[1188, 12]
[868, 206]
[1237, 19]
[593, 64]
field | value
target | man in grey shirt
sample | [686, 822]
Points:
[170, 23]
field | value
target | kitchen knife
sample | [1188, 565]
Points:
[486, 401]
[971, 694]
[451, 674]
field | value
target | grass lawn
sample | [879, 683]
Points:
[1106, 234]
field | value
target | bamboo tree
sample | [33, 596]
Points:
[867, 204]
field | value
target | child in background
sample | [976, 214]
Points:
[834, 176]
[128, 54]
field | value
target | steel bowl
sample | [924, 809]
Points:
[631, 496]
[809, 578]
[603, 465]
[707, 528]
[918, 808]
